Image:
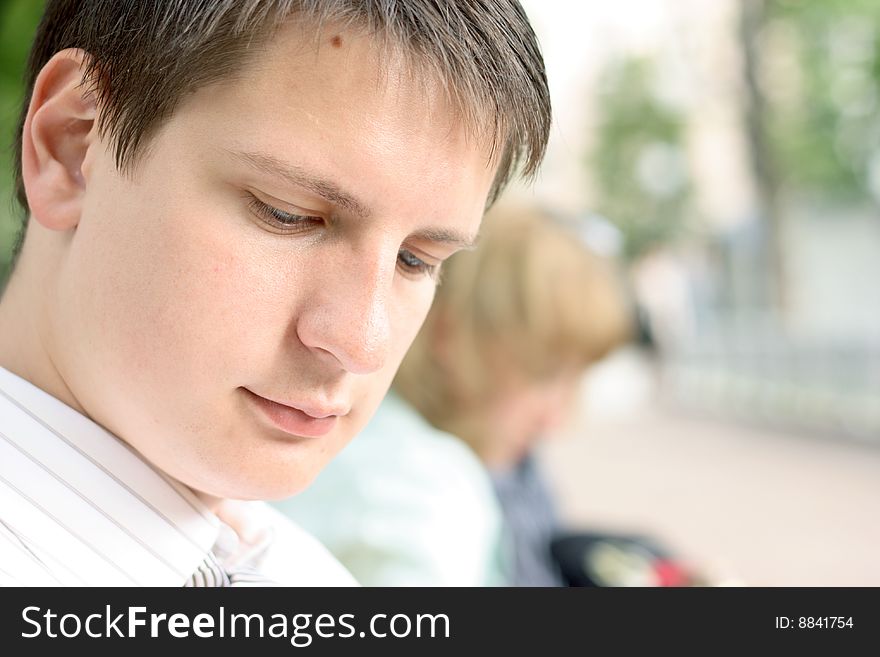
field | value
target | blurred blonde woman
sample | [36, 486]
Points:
[494, 369]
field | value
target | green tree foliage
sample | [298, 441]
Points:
[639, 160]
[18, 21]
[821, 76]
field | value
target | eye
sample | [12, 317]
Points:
[279, 220]
[414, 265]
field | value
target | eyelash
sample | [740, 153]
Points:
[415, 265]
[280, 220]
[294, 223]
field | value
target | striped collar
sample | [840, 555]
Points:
[78, 506]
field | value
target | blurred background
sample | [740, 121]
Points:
[727, 153]
[18, 21]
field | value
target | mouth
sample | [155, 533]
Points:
[310, 421]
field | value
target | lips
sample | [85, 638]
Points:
[308, 422]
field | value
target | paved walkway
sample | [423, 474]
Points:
[747, 505]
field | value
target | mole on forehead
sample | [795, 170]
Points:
[413, 73]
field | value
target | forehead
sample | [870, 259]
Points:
[354, 111]
[364, 59]
[332, 62]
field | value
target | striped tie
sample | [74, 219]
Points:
[211, 573]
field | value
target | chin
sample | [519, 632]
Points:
[270, 483]
[290, 487]
[259, 486]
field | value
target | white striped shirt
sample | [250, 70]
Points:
[79, 507]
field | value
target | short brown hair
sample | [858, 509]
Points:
[144, 56]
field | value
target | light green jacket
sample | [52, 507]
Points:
[405, 505]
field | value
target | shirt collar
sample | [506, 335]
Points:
[85, 505]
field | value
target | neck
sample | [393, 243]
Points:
[212, 502]
[25, 339]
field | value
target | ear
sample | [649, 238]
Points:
[58, 131]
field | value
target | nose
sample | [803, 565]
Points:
[349, 321]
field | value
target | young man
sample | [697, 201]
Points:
[237, 211]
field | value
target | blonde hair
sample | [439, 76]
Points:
[531, 301]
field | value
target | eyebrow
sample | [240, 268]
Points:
[299, 177]
[450, 237]
[331, 192]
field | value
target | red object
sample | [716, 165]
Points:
[669, 573]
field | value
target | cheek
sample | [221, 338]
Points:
[519, 417]
[172, 290]
[504, 421]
